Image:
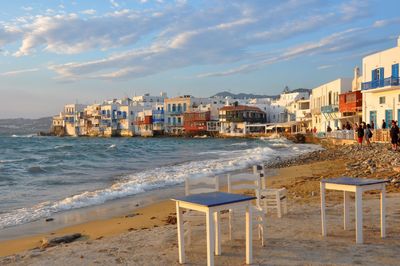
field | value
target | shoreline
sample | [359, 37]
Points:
[299, 175]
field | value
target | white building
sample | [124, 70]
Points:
[72, 114]
[147, 98]
[380, 86]
[325, 103]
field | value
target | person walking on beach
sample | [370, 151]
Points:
[394, 135]
[383, 124]
[360, 135]
[367, 134]
[348, 127]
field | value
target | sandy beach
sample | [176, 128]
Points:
[147, 235]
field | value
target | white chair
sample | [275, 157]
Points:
[271, 198]
[238, 183]
[197, 186]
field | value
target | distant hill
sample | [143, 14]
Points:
[243, 95]
[19, 126]
[252, 96]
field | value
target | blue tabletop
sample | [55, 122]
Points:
[353, 181]
[214, 198]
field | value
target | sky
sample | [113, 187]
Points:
[55, 52]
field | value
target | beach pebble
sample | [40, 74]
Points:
[49, 219]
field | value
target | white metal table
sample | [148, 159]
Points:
[211, 204]
[358, 186]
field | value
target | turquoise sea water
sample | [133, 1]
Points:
[40, 176]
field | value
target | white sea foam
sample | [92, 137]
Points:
[240, 144]
[155, 178]
[11, 160]
[23, 136]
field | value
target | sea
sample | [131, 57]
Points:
[42, 176]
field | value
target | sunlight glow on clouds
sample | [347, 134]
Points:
[136, 42]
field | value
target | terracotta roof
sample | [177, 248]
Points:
[240, 108]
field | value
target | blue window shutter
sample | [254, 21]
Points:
[395, 71]
[381, 73]
[373, 75]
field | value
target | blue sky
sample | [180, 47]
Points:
[57, 51]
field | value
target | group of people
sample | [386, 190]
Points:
[364, 132]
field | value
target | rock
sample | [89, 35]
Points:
[58, 240]
[49, 219]
[171, 219]
[130, 215]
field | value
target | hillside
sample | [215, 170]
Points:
[20, 126]
[243, 95]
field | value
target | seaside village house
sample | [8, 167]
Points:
[300, 113]
[144, 123]
[158, 119]
[67, 122]
[325, 104]
[350, 103]
[380, 86]
[111, 118]
[174, 109]
[233, 119]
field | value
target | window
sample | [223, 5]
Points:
[184, 107]
[382, 100]
[179, 120]
[169, 120]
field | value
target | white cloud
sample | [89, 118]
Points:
[27, 8]
[18, 72]
[176, 34]
[89, 12]
[322, 67]
[114, 3]
[71, 34]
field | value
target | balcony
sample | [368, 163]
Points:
[175, 112]
[330, 109]
[380, 83]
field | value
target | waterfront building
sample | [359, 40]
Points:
[147, 98]
[195, 122]
[381, 86]
[144, 123]
[91, 120]
[72, 114]
[174, 109]
[300, 112]
[158, 119]
[350, 103]
[325, 104]
[233, 119]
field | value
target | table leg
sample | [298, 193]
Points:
[323, 215]
[346, 207]
[249, 235]
[383, 211]
[210, 238]
[359, 216]
[217, 233]
[181, 238]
